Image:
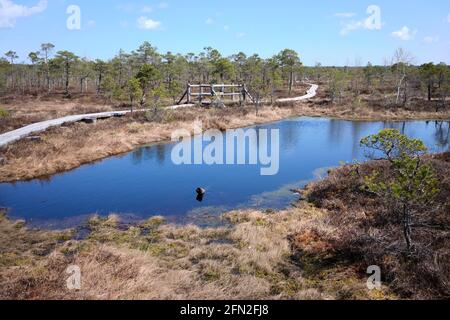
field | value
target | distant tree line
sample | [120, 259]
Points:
[139, 76]
[146, 75]
[397, 83]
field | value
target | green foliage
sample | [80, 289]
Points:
[338, 84]
[156, 94]
[148, 54]
[148, 76]
[33, 57]
[290, 62]
[411, 183]
[133, 90]
[289, 59]
[173, 68]
[3, 113]
[150, 67]
[108, 86]
[156, 112]
[66, 57]
[11, 55]
[4, 67]
[394, 145]
[119, 94]
[223, 68]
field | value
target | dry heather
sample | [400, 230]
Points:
[252, 259]
[370, 233]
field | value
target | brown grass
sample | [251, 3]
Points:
[26, 110]
[250, 260]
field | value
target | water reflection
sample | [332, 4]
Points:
[145, 182]
[442, 134]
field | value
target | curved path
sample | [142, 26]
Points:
[38, 127]
[311, 93]
[21, 133]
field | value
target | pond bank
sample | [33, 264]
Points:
[65, 148]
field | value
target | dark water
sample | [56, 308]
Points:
[145, 182]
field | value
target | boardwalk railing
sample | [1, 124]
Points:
[202, 92]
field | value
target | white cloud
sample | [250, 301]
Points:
[345, 14]
[148, 24]
[209, 21]
[240, 35]
[431, 39]
[448, 18]
[146, 9]
[10, 12]
[91, 23]
[404, 34]
[226, 28]
[352, 26]
[355, 25]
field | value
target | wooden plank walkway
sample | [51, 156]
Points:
[38, 127]
[34, 128]
[311, 93]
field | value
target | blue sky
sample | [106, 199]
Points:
[326, 31]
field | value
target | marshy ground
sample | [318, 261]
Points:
[318, 249]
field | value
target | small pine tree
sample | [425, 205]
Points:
[412, 184]
[134, 91]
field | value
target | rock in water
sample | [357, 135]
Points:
[200, 194]
[200, 191]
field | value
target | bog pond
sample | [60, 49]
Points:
[146, 182]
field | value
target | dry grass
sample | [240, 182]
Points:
[27, 110]
[250, 260]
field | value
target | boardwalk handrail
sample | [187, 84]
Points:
[210, 90]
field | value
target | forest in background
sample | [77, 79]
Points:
[146, 77]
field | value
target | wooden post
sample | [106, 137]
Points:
[189, 94]
[240, 96]
[201, 94]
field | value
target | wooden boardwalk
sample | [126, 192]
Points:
[311, 93]
[34, 128]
